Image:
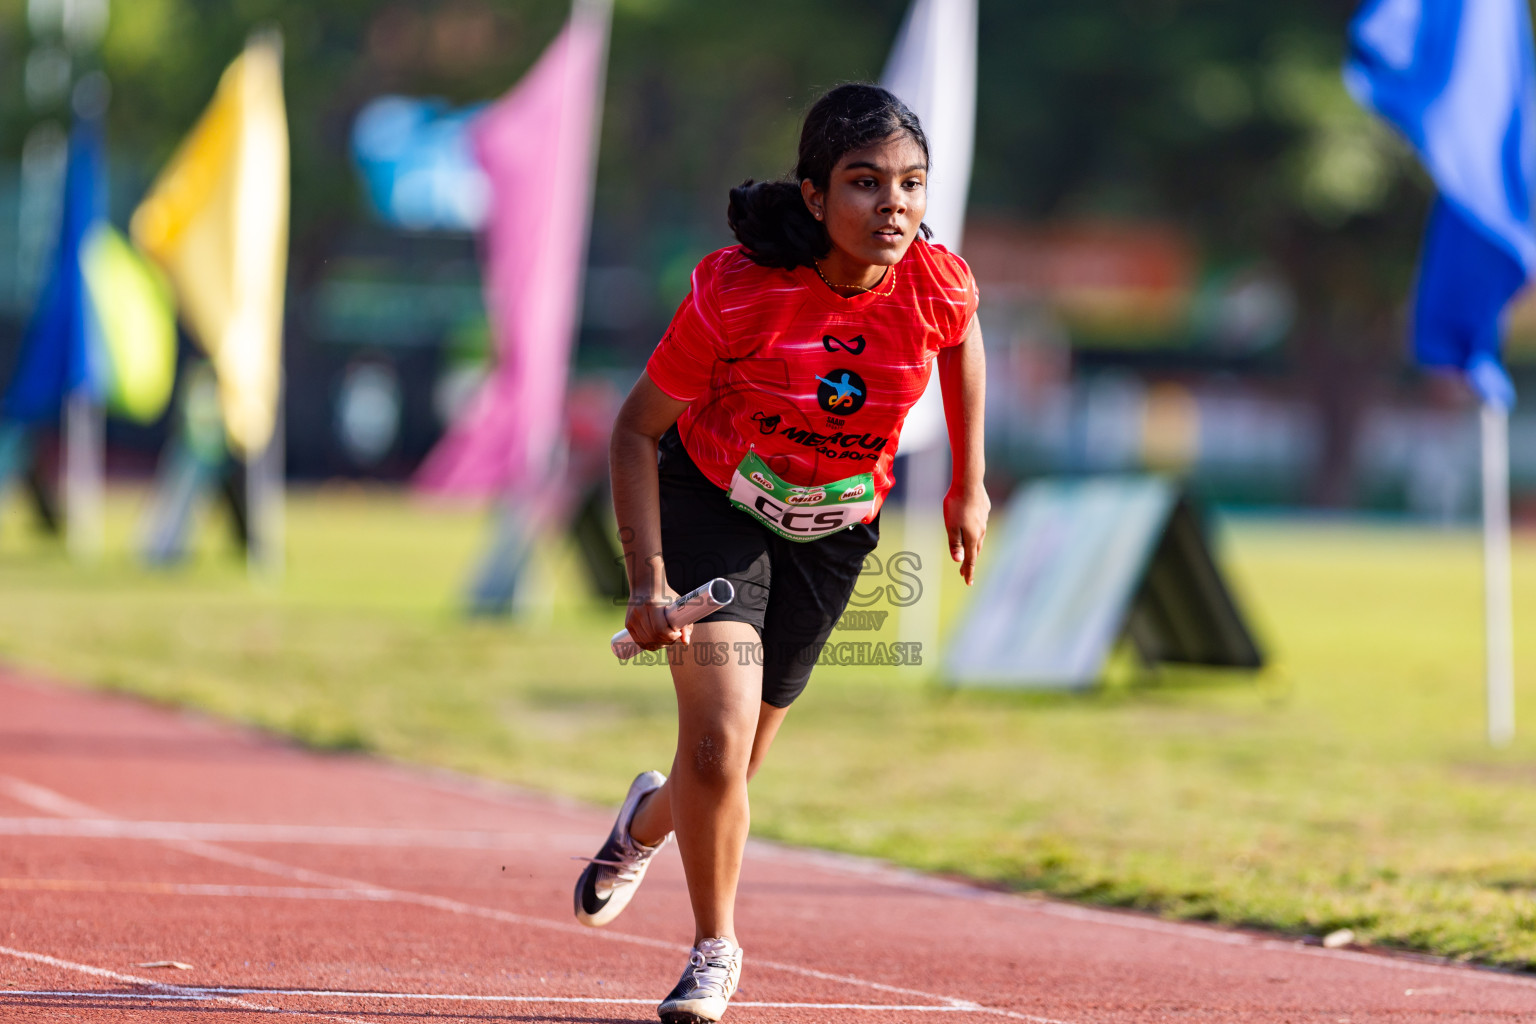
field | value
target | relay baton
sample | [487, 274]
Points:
[686, 610]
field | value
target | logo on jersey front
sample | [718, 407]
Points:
[762, 481]
[854, 346]
[841, 392]
[856, 491]
[803, 497]
[835, 444]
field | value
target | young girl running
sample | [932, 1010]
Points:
[758, 446]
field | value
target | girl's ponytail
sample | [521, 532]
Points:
[771, 222]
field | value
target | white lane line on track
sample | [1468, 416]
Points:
[882, 873]
[260, 892]
[43, 799]
[321, 835]
[289, 892]
[206, 994]
[86, 821]
[501, 795]
[167, 990]
[87, 994]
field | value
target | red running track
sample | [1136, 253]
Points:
[342, 888]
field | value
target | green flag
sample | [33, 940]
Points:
[138, 324]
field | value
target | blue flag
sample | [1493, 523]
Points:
[1458, 79]
[63, 349]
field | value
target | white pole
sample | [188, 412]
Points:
[923, 535]
[1497, 588]
[265, 496]
[84, 467]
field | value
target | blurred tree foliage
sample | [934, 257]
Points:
[699, 94]
[1226, 117]
[1233, 120]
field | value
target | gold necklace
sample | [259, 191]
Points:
[859, 287]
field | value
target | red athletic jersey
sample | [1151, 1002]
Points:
[818, 384]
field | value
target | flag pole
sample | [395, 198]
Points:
[1497, 586]
[265, 498]
[924, 536]
[84, 448]
[265, 484]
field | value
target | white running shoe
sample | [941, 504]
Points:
[610, 879]
[708, 982]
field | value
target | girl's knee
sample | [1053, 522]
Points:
[715, 760]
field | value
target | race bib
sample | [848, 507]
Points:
[801, 513]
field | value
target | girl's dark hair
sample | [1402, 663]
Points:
[770, 219]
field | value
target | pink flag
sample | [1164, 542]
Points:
[537, 145]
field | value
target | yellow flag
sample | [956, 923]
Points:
[217, 220]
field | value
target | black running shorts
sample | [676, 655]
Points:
[792, 592]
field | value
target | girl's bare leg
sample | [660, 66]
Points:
[724, 730]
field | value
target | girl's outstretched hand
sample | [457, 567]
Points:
[965, 519]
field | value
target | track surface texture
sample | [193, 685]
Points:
[342, 888]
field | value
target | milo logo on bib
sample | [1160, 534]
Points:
[801, 512]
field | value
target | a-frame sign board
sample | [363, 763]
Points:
[1084, 562]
